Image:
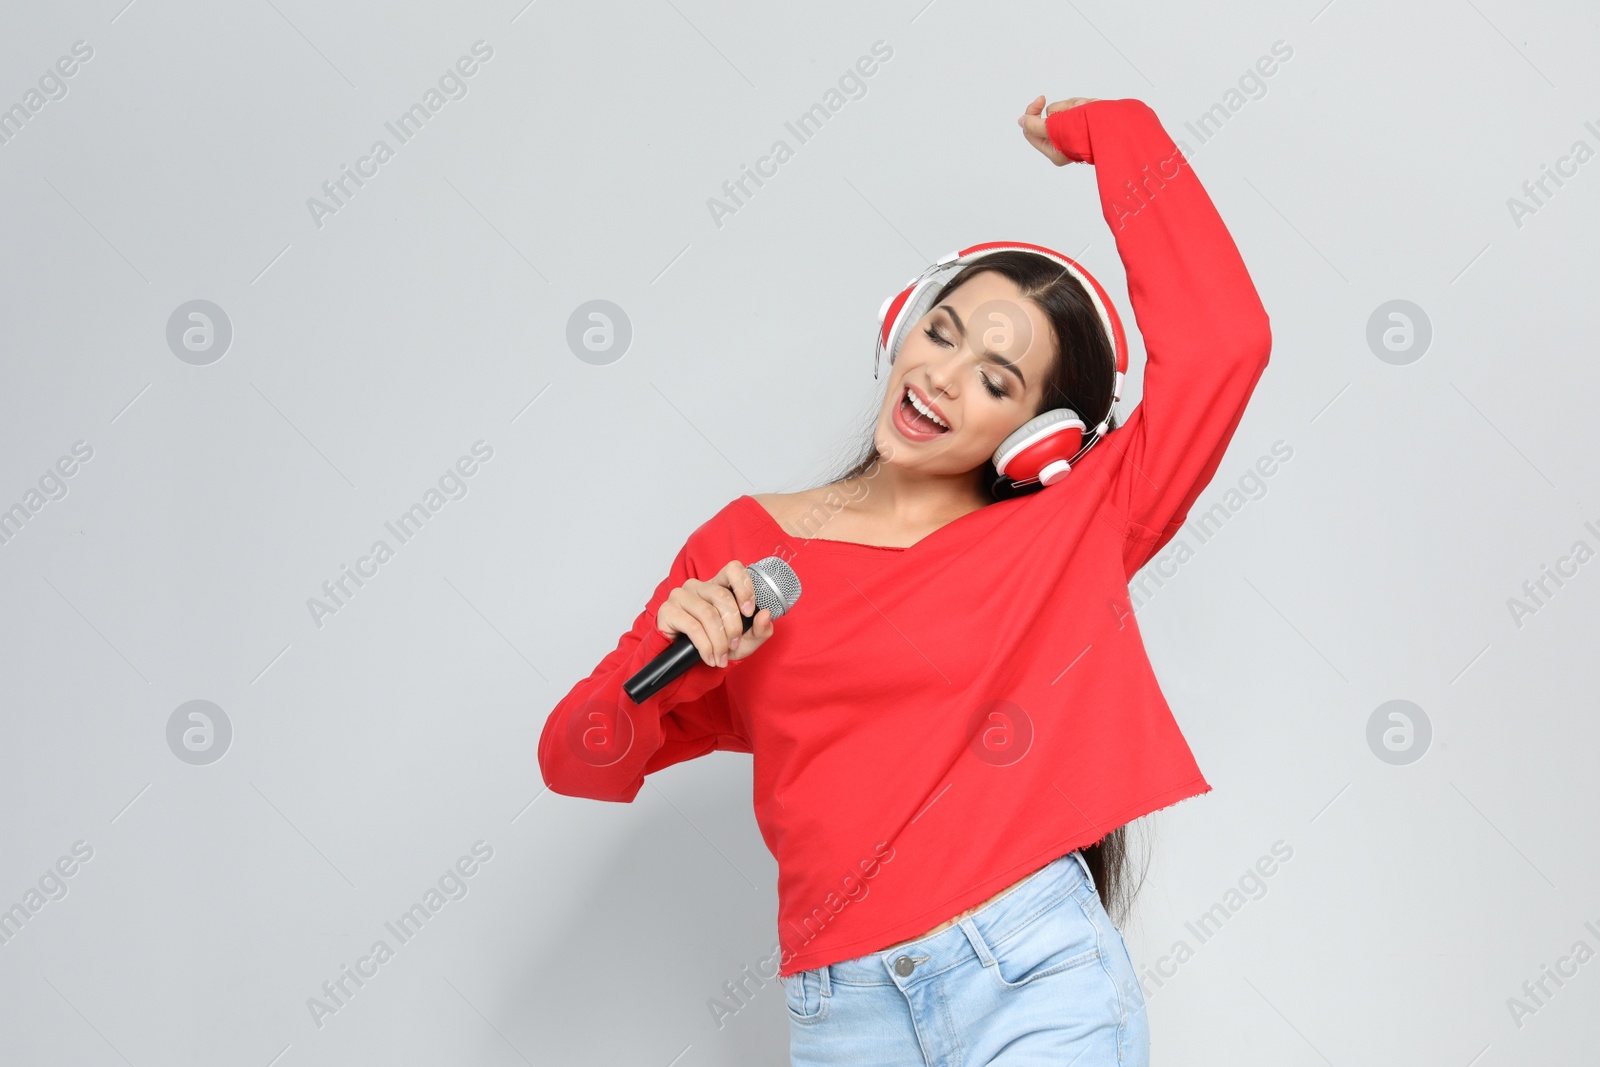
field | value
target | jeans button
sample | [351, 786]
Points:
[906, 964]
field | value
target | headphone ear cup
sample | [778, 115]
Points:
[1042, 448]
[901, 312]
[888, 316]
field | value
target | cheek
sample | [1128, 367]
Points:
[991, 421]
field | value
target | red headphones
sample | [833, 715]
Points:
[1044, 448]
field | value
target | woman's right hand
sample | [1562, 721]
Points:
[712, 614]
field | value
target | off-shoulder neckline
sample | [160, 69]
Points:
[772, 522]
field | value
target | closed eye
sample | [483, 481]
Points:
[996, 391]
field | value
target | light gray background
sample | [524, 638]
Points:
[431, 312]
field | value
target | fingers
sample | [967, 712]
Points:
[1038, 111]
[720, 616]
[720, 612]
[738, 579]
[1035, 133]
[1033, 124]
[712, 613]
[742, 591]
[692, 609]
[1062, 105]
[1036, 130]
[760, 630]
[677, 616]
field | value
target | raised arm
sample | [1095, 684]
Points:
[1206, 334]
[597, 743]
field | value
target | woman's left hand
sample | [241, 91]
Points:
[1032, 123]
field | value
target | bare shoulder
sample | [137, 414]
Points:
[805, 513]
[786, 507]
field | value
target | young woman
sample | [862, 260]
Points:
[954, 723]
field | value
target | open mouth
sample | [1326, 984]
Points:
[915, 418]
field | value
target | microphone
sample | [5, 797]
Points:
[777, 588]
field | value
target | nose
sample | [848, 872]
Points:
[940, 377]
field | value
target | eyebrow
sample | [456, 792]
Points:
[997, 357]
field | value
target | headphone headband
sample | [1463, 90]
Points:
[905, 309]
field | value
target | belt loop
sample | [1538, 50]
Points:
[823, 975]
[979, 945]
[1077, 854]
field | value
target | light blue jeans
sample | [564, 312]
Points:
[1039, 976]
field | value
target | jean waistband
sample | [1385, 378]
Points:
[995, 922]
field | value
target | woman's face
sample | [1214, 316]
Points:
[979, 358]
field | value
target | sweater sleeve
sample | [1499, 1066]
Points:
[597, 743]
[1206, 334]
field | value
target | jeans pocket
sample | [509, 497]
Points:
[1135, 987]
[803, 993]
[1059, 938]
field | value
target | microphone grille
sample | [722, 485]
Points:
[777, 586]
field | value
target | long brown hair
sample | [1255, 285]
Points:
[1081, 380]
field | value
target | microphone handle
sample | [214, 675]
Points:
[668, 664]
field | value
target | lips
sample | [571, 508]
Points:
[912, 424]
[927, 402]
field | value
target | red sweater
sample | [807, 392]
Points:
[931, 723]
